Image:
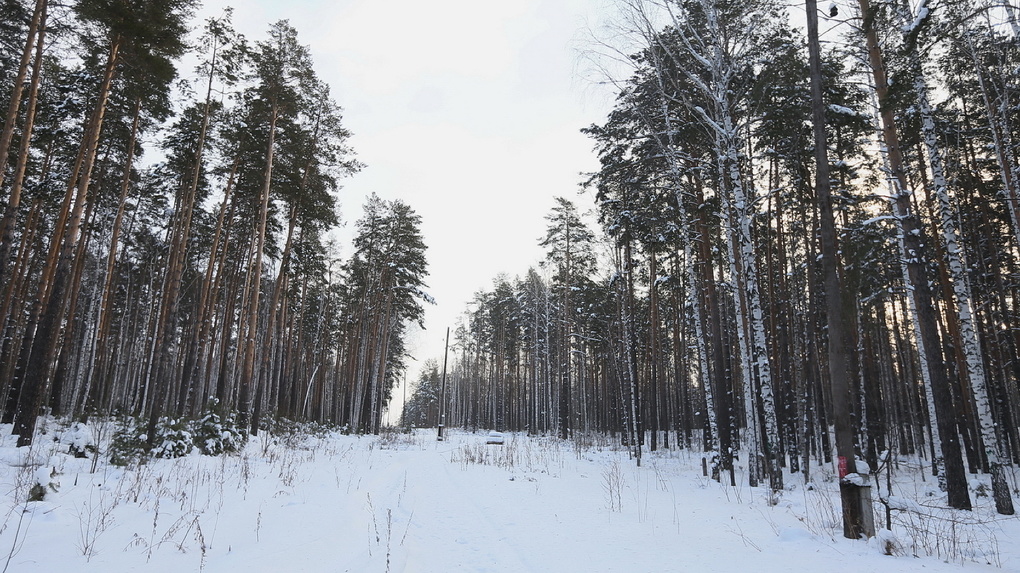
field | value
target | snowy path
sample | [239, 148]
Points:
[348, 504]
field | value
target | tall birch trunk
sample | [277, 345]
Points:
[698, 301]
[759, 361]
[630, 351]
[913, 251]
[962, 295]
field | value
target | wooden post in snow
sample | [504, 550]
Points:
[442, 392]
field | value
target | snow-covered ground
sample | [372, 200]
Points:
[409, 503]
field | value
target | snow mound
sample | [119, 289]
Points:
[24, 456]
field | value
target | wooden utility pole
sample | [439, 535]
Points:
[442, 391]
[858, 520]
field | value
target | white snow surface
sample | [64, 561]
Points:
[399, 502]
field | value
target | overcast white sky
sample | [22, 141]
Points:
[468, 110]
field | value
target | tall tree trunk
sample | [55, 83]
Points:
[43, 332]
[654, 390]
[106, 313]
[247, 375]
[961, 295]
[274, 302]
[194, 375]
[738, 203]
[7, 225]
[33, 42]
[630, 351]
[15, 297]
[840, 371]
[913, 257]
[718, 390]
[566, 343]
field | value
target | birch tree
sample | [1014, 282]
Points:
[715, 43]
[962, 298]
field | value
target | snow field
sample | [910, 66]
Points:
[408, 503]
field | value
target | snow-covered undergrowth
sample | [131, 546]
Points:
[293, 501]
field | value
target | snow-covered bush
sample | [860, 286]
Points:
[293, 434]
[128, 445]
[44, 482]
[79, 440]
[887, 542]
[216, 432]
[393, 438]
[130, 442]
[173, 438]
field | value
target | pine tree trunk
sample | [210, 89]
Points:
[43, 332]
[836, 320]
[15, 297]
[106, 313]
[913, 256]
[15, 280]
[247, 375]
[655, 424]
[194, 373]
[717, 389]
[33, 42]
[962, 299]
[566, 338]
[274, 302]
[7, 225]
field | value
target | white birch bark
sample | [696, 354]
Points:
[752, 436]
[694, 287]
[759, 357]
[710, 54]
[628, 346]
[961, 290]
[905, 255]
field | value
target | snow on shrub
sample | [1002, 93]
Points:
[79, 440]
[887, 543]
[173, 439]
[129, 442]
[216, 432]
[44, 482]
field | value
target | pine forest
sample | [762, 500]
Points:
[800, 253]
[207, 279]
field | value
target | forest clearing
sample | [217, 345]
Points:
[407, 502]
